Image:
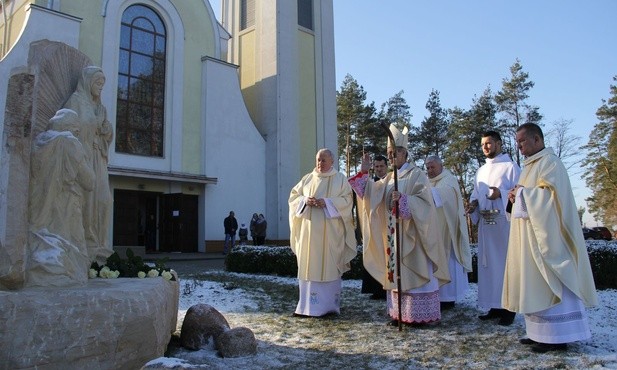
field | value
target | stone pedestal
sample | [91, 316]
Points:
[107, 324]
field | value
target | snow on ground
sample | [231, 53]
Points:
[360, 338]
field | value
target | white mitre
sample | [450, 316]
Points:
[400, 138]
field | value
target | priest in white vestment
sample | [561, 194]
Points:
[321, 236]
[452, 228]
[487, 208]
[423, 259]
[548, 277]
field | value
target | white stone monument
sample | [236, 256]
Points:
[51, 314]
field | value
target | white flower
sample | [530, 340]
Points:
[141, 274]
[166, 275]
[153, 273]
[114, 274]
[92, 273]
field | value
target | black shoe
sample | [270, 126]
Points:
[492, 314]
[378, 296]
[547, 347]
[505, 322]
[507, 318]
[527, 341]
[393, 323]
[424, 325]
[298, 315]
[446, 305]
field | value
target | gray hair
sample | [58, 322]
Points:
[326, 151]
[433, 158]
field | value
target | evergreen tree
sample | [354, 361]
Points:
[431, 137]
[463, 155]
[601, 162]
[512, 104]
[460, 155]
[396, 111]
[483, 115]
[352, 114]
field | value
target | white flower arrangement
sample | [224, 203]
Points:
[131, 267]
[166, 275]
[153, 273]
[106, 273]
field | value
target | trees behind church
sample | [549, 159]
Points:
[454, 133]
[601, 161]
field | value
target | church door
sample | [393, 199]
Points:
[178, 227]
[135, 218]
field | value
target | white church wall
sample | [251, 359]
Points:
[234, 151]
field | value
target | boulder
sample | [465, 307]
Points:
[202, 324]
[106, 324]
[236, 342]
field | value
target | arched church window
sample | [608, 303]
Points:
[141, 83]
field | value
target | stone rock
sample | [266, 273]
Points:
[236, 342]
[56, 262]
[106, 324]
[202, 324]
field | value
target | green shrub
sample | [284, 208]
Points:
[131, 266]
[275, 260]
[603, 260]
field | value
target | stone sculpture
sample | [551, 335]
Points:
[106, 323]
[95, 134]
[60, 178]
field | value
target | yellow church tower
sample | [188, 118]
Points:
[285, 51]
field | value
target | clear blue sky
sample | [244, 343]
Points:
[459, 47]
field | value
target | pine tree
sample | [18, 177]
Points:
[512, 104]
[463, 155]
[431, 137]
[394, 111]
[601, 162]
[352, 114]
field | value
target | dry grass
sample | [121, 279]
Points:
[360, 339]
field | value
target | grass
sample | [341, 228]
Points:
[359, 338]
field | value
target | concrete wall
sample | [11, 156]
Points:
[238, 150]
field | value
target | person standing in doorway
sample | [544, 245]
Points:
[231, 225]
[487, 207]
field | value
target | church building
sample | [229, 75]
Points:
[208, 117]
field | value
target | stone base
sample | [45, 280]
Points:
[106, 324]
